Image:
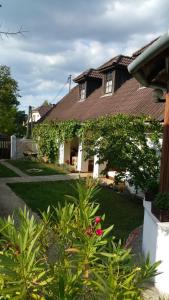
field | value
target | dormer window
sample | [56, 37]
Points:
[108, 82]
[82, 89]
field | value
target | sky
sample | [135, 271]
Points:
[66, 37]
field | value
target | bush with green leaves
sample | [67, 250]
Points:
[67, 255]
[152, 185]
[162, 200]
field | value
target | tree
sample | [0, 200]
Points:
[21, 119]
[9, 94]
[9, 33]
[46, 103]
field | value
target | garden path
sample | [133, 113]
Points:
[9, 201]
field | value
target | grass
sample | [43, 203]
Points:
[121, 210]
[5, 172]
[35, 168]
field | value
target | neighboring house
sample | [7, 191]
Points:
[107, 90]
[40, 112]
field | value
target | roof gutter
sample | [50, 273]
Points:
[135, 68]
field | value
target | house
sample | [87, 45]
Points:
[107, 90]
[40, 112]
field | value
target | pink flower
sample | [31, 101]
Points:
[99, 231]
[97, 220]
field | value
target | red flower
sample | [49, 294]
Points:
[99, 231]
[97, 220]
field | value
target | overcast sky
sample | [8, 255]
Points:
[68, 36]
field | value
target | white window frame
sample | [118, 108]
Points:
[109, 82]
[82, 91]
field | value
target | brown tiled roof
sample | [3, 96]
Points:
[138, 52]
[117, 60]
[43, 109]
[88, 73]
[128, 99]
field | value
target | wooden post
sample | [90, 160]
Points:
[164, 174]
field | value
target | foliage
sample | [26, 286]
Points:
[67, 255]
[125, 144]
[11, 119]
[21, 118]
[162, 200]
[23, 263]
[46, 103]
[49, 135]
[8, 101]
[45, 135]
[152, 185]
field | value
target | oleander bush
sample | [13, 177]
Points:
[67, 255]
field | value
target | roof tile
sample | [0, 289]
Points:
[128, 99]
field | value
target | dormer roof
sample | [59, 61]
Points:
[120, 60]
[90, 73]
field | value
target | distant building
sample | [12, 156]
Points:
[40, 112]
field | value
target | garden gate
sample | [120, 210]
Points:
[5, 146]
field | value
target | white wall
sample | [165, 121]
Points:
[156, 244]
[82, 165]
[35, 117]
[98, 168]
[19, 146]
[64, 153]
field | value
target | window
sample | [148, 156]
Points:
[108, 83]
[82, 91]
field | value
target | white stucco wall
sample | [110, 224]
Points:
[156, 244]
[64, 153]
[98, 168]
[82, 165]
[21, 145]
[35, 116]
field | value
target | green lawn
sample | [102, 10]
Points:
[35, 168]
[121, 210]
[5, 172]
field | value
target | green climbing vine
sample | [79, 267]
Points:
[48, 136]
[120, 141]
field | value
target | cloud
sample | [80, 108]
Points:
[67, 37]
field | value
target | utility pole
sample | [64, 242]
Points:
[69, 80]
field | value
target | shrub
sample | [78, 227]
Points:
[162, 200]
[67, 255]
[152, 185]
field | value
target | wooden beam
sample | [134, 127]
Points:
[164, 174]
